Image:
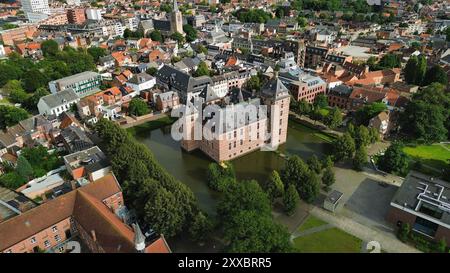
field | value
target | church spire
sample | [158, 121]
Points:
[139, 238]
[175, 6]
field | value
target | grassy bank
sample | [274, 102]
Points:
[327, 137]
[436, 156]
[151, 125]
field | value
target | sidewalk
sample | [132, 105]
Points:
[388, 241]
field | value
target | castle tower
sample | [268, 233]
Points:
[176, 19]
[276, 96]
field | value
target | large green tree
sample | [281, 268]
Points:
[290, 200]
[191, 32]
[295, 170]
[415, 70]
[202, 70]
[360, 158]
[328, 178]
[49, 48]
[23, 168]
[96, 52]
[394, 160]
[343, 147]
[10, 115]
[273, 186]
[426, 116]
[138, 107]
[248, 231]
[436, 74]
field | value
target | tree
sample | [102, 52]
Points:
[9, 72]
[273, 186]
[96, 52]
[162, 213]
[202, 49]
[178, 37]
[290, 200]
[31, 102]
[254, 83]
[441, 246]
[14, 90]
[34, 79]
[152, 70]
[334, 118]
[309, 188]
[328, 178]
[49, 48]
[302, 21]
[374, 135]
[394, 160]
[304, 108]
[248, 231]
[200, 227]
[314, 164]
[155, 35]
[165, 7]
[12, 180]
[424, 121]
[220, 178]
[202, 70]
[24, 168]
[294, 171]
[191, 33]
[360, 158]
[321, 101]
[328, 162]
[415, 70]
[403, 232]
[362, 136]
[245, 195]
[436, 74]
[368, 111]
[138, 107]
[10, 115]
[343, 147]
[390, 61]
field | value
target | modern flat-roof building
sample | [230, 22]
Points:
[84, 83]
[424, 203]
[35, 10]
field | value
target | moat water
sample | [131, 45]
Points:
[190, 168]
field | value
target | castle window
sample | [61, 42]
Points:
[33, 240]
[47, 243]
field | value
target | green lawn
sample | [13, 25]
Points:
[311, 222]
[331, 240]
[432, 155]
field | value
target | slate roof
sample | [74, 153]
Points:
[274, 88]
[180, 80]
[60, 98]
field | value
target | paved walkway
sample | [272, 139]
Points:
[388, 241]
[297, 233]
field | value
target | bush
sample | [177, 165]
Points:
[12, 180]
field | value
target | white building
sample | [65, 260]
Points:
[55, 104]
[35, 10]
[141, 81]
[93, 14]
[130, 23]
